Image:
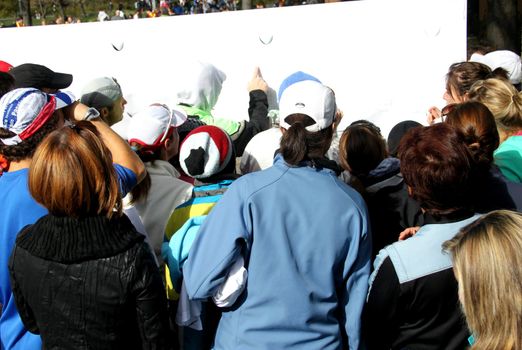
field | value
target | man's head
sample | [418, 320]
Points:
[152, 132]
[106, 96]
[30, 75]
[207, 152]
[27, 116]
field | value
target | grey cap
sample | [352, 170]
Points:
[101, 92]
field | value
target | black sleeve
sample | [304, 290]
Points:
[151, 302]
[24, 310]
[258, 110]
[380, 316]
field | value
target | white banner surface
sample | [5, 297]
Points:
[386, 60]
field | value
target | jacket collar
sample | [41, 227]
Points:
[70, 240]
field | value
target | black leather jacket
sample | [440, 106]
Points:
[89, 283]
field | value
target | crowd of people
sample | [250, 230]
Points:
[145, 9]
[175, 229]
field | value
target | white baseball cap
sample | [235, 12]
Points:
[311, 98]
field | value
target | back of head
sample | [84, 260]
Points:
[101, 92]
[307, 111]
[27, 116]
[461, 76]
[502, 99]
[487, 259]
[201, 85]
[396, 134]
[477, 124]
[148, 129]
[71, 174]
[437, 165]
[206, 153]
[361, 149]
[292, 79]
[505, 59]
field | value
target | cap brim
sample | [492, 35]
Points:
[60, 81]
[179, 116]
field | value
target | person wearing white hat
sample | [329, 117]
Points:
[152, 134]
[506, 59]
[28, 115]
[304, 236]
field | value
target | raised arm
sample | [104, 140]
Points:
[121, 152]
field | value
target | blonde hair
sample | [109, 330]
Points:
[502, 99]
[487, 260]
[72, 174]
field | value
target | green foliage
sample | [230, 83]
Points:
[51, 9]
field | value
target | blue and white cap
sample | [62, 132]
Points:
[24, 111]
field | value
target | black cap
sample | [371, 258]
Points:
[37, 76]
[396, 134]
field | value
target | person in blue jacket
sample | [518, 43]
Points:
[303, 234]
[27, 116]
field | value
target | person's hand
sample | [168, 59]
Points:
[433, 114]
[257, 82]
[409, 232]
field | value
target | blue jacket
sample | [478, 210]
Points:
[306, 242]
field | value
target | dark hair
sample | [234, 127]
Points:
[141, 190]
[438, 167]
[477, 124]
[462, 75]
[71, 174]
[7, 83]
[361, 149]
[298, 144]
[26, 148]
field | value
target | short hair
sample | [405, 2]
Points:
[26, 148]
[438, 167]
[361, 149]
[298, 144]
[477, 124]
[502, 99]
[462, 75]
[487, 260]
[72, 174]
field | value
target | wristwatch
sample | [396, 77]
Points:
[91, 114]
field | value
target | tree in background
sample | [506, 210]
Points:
[497, 22]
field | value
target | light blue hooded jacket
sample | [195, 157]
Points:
[306, 242]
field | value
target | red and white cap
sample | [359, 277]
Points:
[150, 126]
[24, 111]
[205, 152]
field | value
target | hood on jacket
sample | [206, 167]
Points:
[201, 85]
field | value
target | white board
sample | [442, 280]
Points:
[386, 60]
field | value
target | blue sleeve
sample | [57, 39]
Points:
[126, 178]
[175, 252]
[217, 245]
[15, 326]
